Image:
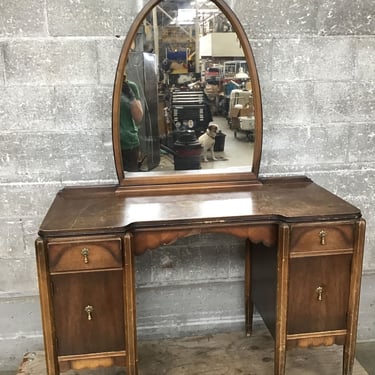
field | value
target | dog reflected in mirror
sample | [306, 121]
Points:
[207, 141]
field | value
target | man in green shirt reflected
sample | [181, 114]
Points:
[131, 114]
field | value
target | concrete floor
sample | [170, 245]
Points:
[224, 354]
[365, 355]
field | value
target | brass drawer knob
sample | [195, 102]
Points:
[89, 310]
[85, 254]
[322, 235]
[319, 291]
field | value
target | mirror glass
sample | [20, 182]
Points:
[186, 98]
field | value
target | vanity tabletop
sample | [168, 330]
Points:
[100, 210]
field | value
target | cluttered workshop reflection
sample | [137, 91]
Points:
[188, 73]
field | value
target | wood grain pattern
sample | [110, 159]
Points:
[281, 221]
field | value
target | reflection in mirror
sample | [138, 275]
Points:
[188, 72]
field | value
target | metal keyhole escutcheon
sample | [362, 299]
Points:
[319, 291]
[85, 254]
[89, 309]
[322, 236]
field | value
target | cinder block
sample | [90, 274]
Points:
[288, 102]
[271, 19]
[27, 200]
[23, 18]
[123, 17]
[143, 268]
[192, 308]
[79, 18]
[199, 258]
[334, 102]
[30, 228]
[15, 311]
[293, 59]
[290, 18]
[316, 145]
[313, 59]
[88, 18]
[369, 255]
[262, 50]
[83, 108]
[60, 114]
[108, 54]
[363, 94]
[365, 63]
[18, 276]
[2, 66]
[366, 322]
[51, 61]
[346, 17]
[11, 167]
[11, 238]
[27, 108]
[333, 59]
[361, 140]
[236, 259]
[67, 156]
[187, 276]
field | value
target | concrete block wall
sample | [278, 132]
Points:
[316, 62]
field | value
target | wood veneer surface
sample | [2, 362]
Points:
[100, 210]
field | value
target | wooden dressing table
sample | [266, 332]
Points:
[304, 250]
[303, 244]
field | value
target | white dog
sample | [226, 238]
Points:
[207, 140]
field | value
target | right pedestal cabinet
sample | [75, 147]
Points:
[314, 280]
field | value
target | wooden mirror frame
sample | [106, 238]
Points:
[141, 183]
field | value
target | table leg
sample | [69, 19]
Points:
[281, 300]
[46, 309]
[130, 309]
[355, 287]
[249, 306]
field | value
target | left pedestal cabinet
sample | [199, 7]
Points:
[83, 305]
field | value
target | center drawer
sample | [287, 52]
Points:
[84, 255]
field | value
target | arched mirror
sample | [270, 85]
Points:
[187, 109]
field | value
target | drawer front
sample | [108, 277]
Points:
[88, 312]
[322, 237]
[318, 293]
[84, 255]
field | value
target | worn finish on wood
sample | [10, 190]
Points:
[77, 211]
[303, 265]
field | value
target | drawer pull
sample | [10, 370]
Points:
[319, 291]
[85, 254]
[322, 235]
[89, 309]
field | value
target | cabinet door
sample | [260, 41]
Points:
[88, 310]
[318, 293]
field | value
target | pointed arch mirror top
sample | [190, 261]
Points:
[186, 75]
